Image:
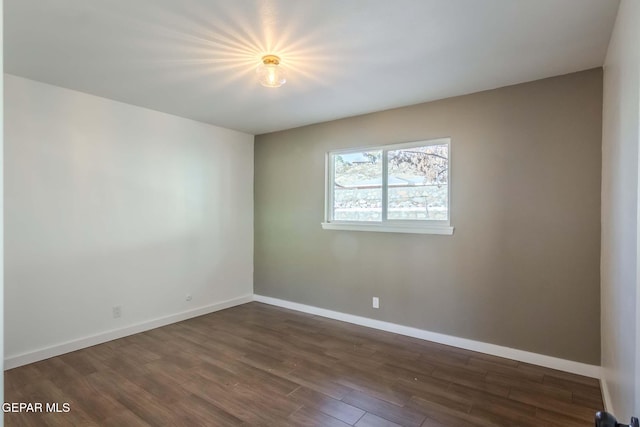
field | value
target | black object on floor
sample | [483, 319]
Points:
[605, 419]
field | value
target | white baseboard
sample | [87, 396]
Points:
[80, 343]
[579, 368]
[606, 397]
[496, 350]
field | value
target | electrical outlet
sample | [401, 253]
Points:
[117, 311]
[189, 298]
[376, 302]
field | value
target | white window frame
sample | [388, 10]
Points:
[386, 225]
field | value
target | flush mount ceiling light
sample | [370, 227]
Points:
[270, 74]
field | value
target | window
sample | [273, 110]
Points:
[396, 188]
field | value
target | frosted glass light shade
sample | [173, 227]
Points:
[270, 74]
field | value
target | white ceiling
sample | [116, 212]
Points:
[197, 58]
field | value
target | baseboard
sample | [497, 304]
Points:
[493, 349]
[482, 347]
[77, 344]
[606, 397]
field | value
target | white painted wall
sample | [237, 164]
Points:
[620, 238]
[110, 204]
[1, 216]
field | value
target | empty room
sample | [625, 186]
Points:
[320, 213]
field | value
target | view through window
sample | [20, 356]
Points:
[401, 182]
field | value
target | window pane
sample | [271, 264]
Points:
[417, 183]
[357, 190]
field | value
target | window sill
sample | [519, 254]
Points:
[390, 228]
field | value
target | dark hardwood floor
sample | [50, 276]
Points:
[260, 365]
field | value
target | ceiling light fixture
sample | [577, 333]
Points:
[270, 74]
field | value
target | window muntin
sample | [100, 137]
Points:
[402, 184]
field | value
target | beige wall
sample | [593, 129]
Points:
[521, 270]
[620, 238]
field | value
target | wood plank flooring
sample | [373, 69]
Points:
[261, 365]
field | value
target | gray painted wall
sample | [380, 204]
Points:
[522, 268]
